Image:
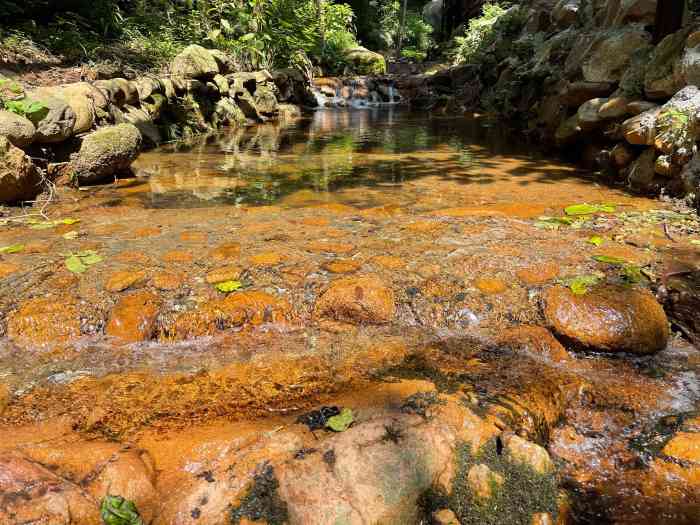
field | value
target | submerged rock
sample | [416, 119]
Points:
[106, 152]
[609, 319]
[19, 179]
[364, 299]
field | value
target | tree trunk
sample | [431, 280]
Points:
[402, 29]
[669, 18]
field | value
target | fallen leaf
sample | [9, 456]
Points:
[580, 284]
[341, 422]
[75, 265]
[91, 259]
[609, 260]
[69, 221]
[115, 510]
[228, 286]
[589, 209]
[13, 248]
[596, 240]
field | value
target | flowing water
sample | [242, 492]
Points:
[444, 212]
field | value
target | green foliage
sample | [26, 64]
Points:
[32, 109]
[480, 35]
[116, 510]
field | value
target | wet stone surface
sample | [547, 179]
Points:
[353, 259]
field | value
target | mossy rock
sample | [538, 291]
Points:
[106, 152]
[19, 130]
[194, 62]
[362, 61]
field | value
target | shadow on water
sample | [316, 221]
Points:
[334, 150]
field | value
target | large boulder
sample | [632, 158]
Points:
[663, 77]
[20, 131]
[362, 61]
[640, 175]
[266, 100]
[59, 121]
[622, 12]
[608, 319]
[608, 57]
[84, 99]
[144, 122]
[195, 62]
[106, 152]
[19, 178]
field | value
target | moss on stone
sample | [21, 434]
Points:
[262, 502]
[523, 493]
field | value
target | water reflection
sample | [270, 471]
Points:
[326, 152]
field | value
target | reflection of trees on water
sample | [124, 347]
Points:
[331, 150]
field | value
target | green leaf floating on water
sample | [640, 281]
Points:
[589, 209]
[229, 286]
[341, 422]
[75, 265]
[116, 510]
[609, 260]
[632, 273]
[579, 285]
[91, 259]
[596, 240]
[13, 248]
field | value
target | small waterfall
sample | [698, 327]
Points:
[360, 94]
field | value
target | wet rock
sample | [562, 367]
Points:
[640, 175]
[588, 115]
[682, 302]
[64, 483]
[224, 273]
[106, 152]
[482, 480]
[542, 518]
[611, 52]
[194, 62]
[364, 299]
[614, 107]
[44, 321]
[18, 130]
[573, 94]
[266, 101]
[227, 112]
[226, 252]
[20, 180]
[168, 280]
[444, 517]
[637, 107]
[342, 266]
[568, 130]
[521, 451]
[133, 319]
[609, 319]
[684, 447]
[4, 397]
[665, 167]
[490, 285]
[621, 155]
[362, 61]
[536, 340]
[641, 129]
[120, 281]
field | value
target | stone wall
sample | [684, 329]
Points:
[585, 76]
[88, 133]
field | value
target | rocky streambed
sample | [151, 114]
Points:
[491, 318]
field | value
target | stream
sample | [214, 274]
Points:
[438, 226]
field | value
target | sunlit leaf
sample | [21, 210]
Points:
[69, 221]
[91, 259]
[589, 209]
[228, 286]
[596, 240]
[695, 242]
[75, 265]
[13, 248]
[580, 284]
[609, 260]
[341, 422]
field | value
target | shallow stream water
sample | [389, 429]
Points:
[446, 212]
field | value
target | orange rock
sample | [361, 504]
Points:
[684, 446]
[609, 318]
[132, 257]
[168, 280]
[224, 273]
[521, 451]
[194, 236]
[226, 252]
[147, 232]
[389, 262]
[315, 221]
[537, 340]
[490, 285]
[4, 397]
[330, 247]
[342, 266]
[482, 480]
[7, 269]
[178, 256]
[537, 275]
[364, 299]
[120, 281]
[44, 320]
[254, 307]
[133, 319]
[266, 259]
[424, 226]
